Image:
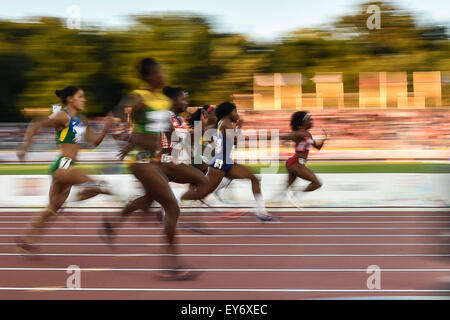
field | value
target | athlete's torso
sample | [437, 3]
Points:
[181, 129]
[70, 137]
[224, 146]
[74, 132]
[302, 147]
[153, 118]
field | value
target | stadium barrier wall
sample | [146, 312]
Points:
[255, 154]
[338, 190]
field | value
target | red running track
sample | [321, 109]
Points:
[307, 255]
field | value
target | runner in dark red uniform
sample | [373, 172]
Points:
[301, 123]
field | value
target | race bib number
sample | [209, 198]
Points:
[218, 164]
[65, 163]
[166, 158]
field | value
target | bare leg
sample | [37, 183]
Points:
[157, 185]
[214, 177]
[305, 173]
[238, 171]
[73, 176]
[58, 195]
[143, 203]
[181, 173]
[291, 178]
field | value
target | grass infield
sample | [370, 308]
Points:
[318, 167]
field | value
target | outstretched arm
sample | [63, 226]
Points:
[58, 120]
[128, 108]
[295, 136]
[96, 138]
[319, 145]
[126, 150]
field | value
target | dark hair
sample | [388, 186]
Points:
[207, 106]
[224, 109]
[172, 92]
[146, 66]
[196, 116]
[66, 92]
[297, 119]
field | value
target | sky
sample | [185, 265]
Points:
[260, 20]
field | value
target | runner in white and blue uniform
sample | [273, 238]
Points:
[223, 152]
[222, 164]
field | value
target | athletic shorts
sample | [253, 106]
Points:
[295, 159]
[219, 164]
[60, 163]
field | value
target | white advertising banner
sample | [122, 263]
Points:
[338, 190]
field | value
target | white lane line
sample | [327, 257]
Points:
[137, 217]
[249, 222]
[390, 298]
[233, 235]
[238, 244]
[221, 255]
[228, 208]
[235, 228]
[232, 269]
[213, 290]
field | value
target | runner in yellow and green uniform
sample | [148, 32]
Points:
[173, 158]
[149, 112]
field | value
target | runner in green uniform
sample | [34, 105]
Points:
[171, 159]
[151, 117]
[71, 130]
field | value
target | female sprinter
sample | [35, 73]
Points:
[301, 123]
[208, 119]
[149, 111]
[173, 159]
[222, 163]
[71, 131]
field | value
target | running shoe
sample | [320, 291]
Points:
[234, 214]
[25, 247]
[267, 218]
[196, 227]
[106, 232]
[178, 274]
